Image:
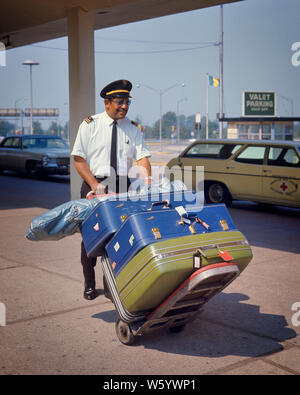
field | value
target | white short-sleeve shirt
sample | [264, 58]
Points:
[93, 143]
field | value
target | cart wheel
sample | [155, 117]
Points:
[124, 332]
[176, 329]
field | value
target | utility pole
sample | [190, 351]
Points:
[30, 63]
[206, 129]
[161, 93]
[221, 72]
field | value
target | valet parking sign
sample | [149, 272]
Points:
[257, 104]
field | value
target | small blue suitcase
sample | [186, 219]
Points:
[107, 217]
[144, 228]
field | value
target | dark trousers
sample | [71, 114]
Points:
[88, 264]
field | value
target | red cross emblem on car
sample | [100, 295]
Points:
[283, 186]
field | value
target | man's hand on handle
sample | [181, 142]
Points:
[101, 189]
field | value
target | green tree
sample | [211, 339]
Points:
[54, 128]
[65, 131]
[37, 127]
[186, 126]
[168, 120]
[6, 128]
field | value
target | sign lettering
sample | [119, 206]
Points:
[259, 104]
[296, 55]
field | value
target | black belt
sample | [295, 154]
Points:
[103, 177]
[100, 178]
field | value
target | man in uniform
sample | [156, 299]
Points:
[104, 148]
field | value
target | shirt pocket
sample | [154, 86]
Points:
[125, 155]
[127, 149]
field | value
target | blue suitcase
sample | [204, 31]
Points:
[144, 228]
[107, 217]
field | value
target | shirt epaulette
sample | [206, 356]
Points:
[134, 123]
[89, 119]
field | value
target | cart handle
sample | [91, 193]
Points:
[91, 195]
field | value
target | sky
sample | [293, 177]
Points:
[171, 50]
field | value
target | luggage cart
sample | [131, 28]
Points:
[177, 309]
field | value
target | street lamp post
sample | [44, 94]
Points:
[68, 122]
[21, 114]
[30, 63]
[221, 49]
[160, 92]
[178, 120]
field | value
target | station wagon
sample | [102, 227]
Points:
[265, 171]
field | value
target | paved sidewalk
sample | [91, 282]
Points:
[51, 329]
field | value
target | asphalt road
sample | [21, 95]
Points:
[249, 328]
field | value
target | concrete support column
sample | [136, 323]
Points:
[81, 78]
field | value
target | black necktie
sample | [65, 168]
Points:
[113, 149]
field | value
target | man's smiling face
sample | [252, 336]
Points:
[117, 108]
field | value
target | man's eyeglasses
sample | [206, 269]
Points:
[121, 102]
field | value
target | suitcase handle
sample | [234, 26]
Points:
[201, 252]
[165, 202]
[216, 253]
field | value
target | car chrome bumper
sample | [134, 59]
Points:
[53, 168]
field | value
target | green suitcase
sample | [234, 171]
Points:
[160, 267]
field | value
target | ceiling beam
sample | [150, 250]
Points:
[24, 22]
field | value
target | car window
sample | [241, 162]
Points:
[29, 143]
[282, 156]
[7, 143]
[42, 142]
[11, 142]
[252, 155]
[56, 143]
[216, 151]
[16, 142]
